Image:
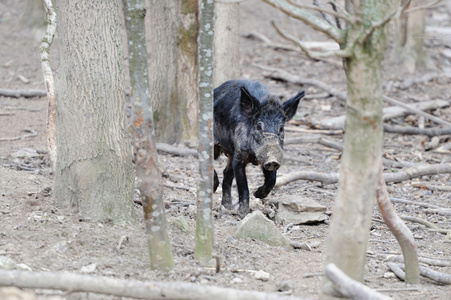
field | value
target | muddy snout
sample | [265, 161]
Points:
[271, 156]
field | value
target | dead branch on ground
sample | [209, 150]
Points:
[179, 151]
[349, 288]
[29, 93]
[401, 175]
[440, 211]
[31, 133]
[414, 130]
[429, 261]
[407, 83]
[431, 187]
[127, 288]
[400, 230]
[421, 204]
[426, 272]
[425, 223]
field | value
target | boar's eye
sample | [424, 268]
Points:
[260, 126]
[281, 129]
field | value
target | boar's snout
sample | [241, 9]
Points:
[272, 165]
[271, 156]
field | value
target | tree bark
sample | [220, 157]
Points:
[150, 181]
[227, 41]
[362, 155]
[204, 217]
[94, 171]
[173, 30]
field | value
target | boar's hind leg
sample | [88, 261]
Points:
[227, 184]
[270, 181]
[241, 182]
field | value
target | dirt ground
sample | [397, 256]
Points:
[35, 233]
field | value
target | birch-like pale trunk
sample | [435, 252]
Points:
[227, 41]
[150, 181]
[172, 31]
[48, 78]
[204, 218]
[94, 170]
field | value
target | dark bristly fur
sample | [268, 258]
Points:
[249, 128]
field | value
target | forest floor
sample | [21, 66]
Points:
[36, 233]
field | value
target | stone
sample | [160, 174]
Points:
[298, 210]
[257, 226]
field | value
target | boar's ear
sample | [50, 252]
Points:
[248, 103]
[290, 106]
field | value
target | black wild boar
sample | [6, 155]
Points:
[249, 128]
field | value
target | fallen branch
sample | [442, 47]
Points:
[127, 288]
[426, 272]
[401, 175]
[431, 187]
[22, 93]
[407, 83]
[421, 204]
[425, 222]
[31, 133]
[349, 288]
[440, 211]
[415, 130]
[161, 147]
[429, 261]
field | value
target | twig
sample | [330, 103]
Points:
[416, 111]
[324, 11]
[311, 54]
[178, 186]
[311, 20]
[429, 261]
[415, 130]
[424, 222]
[286, 76]
[349, 288]
[32, 133]
[440, 211]
[425, 6]
[421, 204]
[425, 185]
[426, 272]
[22, 93]
[127, 288]
[179, 151]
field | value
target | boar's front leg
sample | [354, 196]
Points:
[270, 181]
[239, 165]
[227, 184]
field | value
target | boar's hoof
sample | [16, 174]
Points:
[261, 192]
[243, 211]
[271, 166]
[227, 203]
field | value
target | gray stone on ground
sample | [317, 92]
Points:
[257, 226]
[298, 210]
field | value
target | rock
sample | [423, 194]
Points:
[257, 226]
[236, 280]
[9, 264]
[181, 223]
[297, 210]
[89, 268]
[261, 275]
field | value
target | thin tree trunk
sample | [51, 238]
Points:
[48, 78]
[173, 31]
[227, 41]
[362, 155]
[204, 218]
[150, 181]
[94, 171]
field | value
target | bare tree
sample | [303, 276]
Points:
[360, 30]
[173, 30]
[150, 182]
[204, 218]
[227, 41]
[94, 171]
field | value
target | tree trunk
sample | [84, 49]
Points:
[204, 217]
[409, 43]
[173, 31]
[362, 152]
[150, 181]
[227, 41]
[94, 171]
